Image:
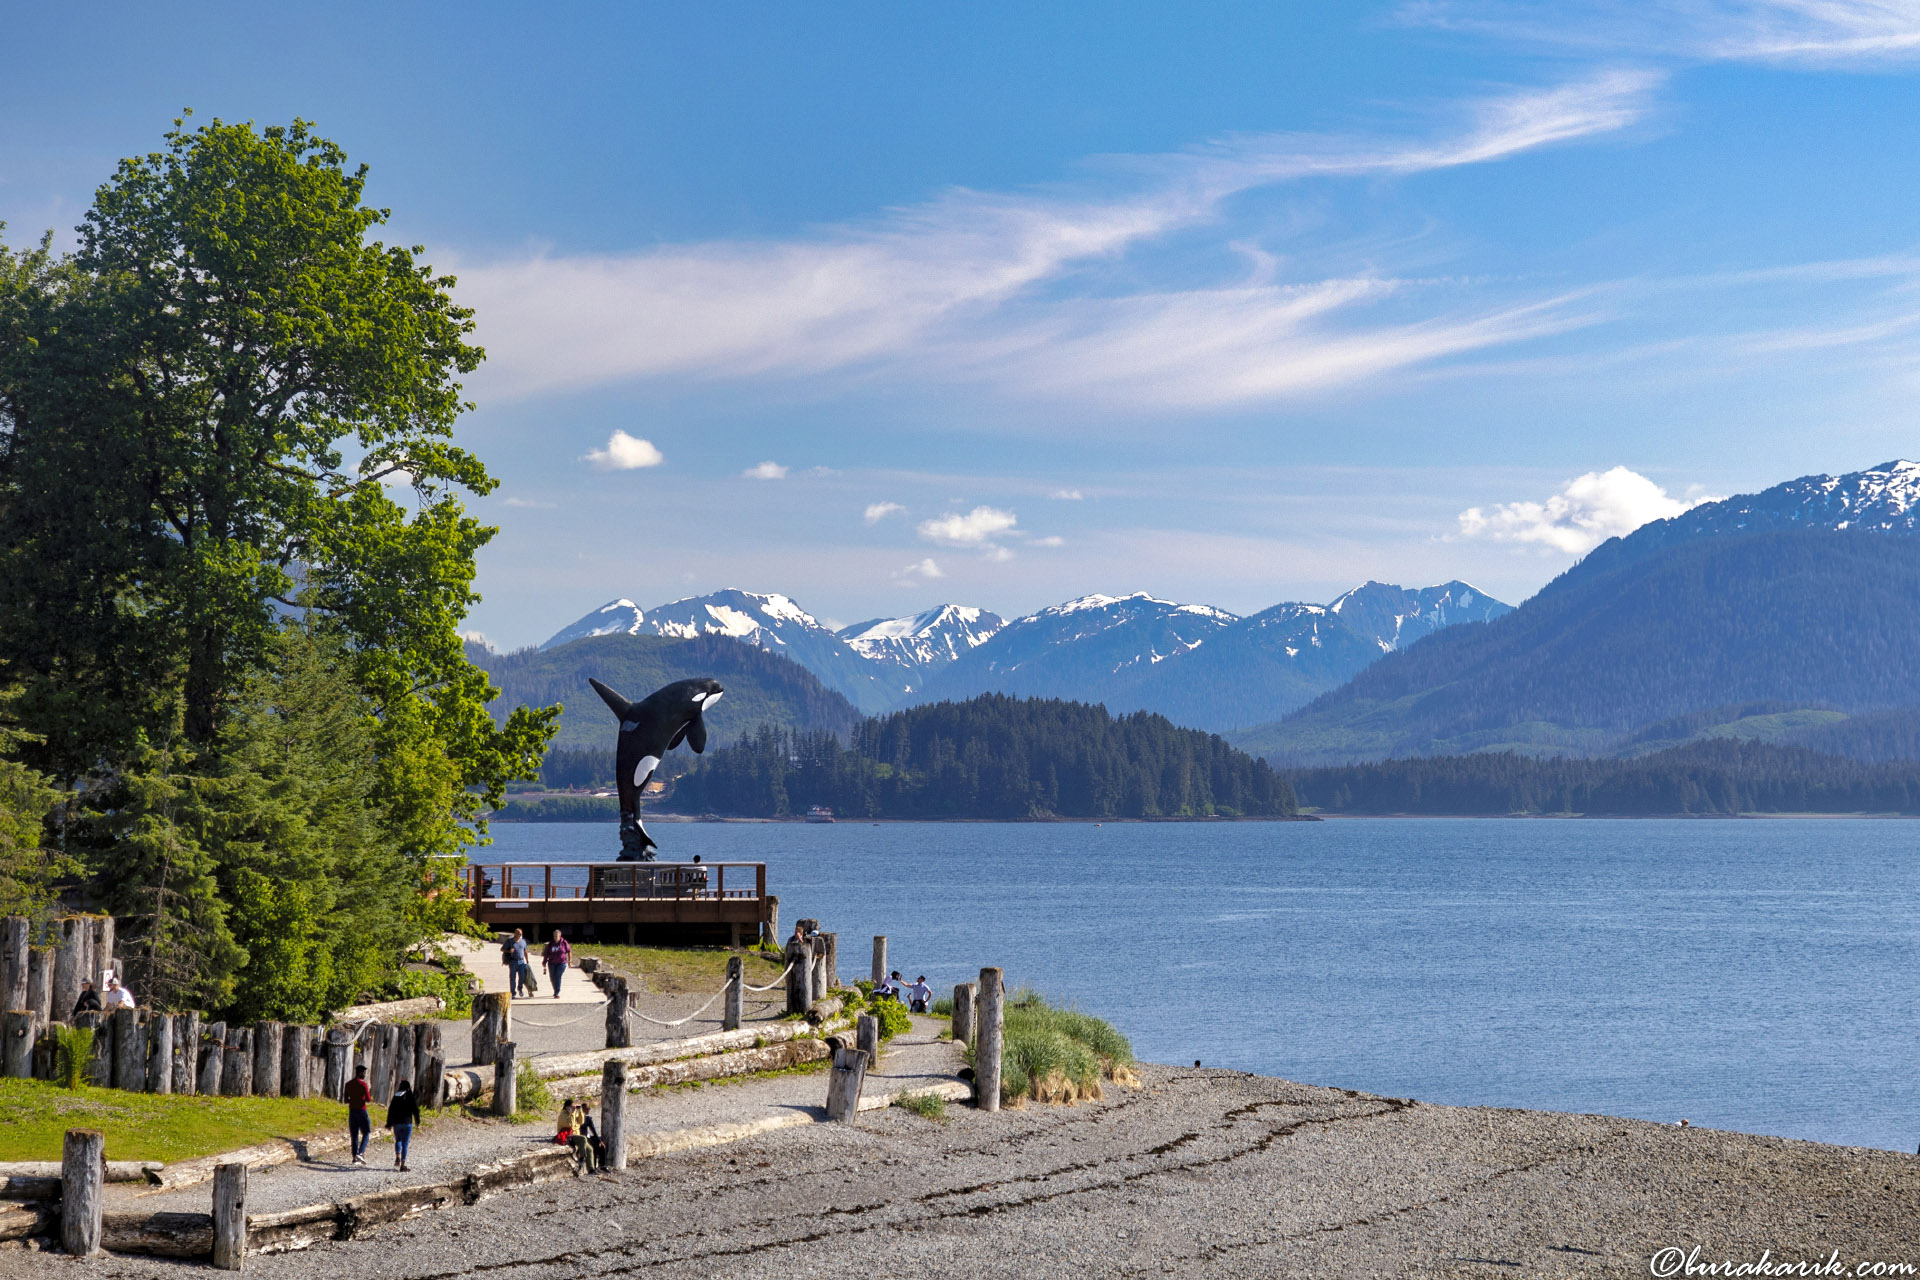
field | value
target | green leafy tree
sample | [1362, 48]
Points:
[206, 414]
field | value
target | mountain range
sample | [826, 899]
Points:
[1791, 615]
[1201, 666]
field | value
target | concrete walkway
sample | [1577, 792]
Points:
[483, 961]
[452, 1144]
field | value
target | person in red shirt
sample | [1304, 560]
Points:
[557, 956]
[359, 1125]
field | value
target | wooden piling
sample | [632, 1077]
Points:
[210, 1059]
[229, 1215]
[819, 977]
[879, 959]
[185, 1066]
[83, 1186]
[771, 933]
[963, 1013]
[266, 1058]
[379, 1063]
[13, 962]
[129, 1049]
[431, 1082]
[16, 1044]
[867, 1037]
[160, 1032]
[613, 1113]
[833, 963]
[236, 1063]
[339, 1063]
[397, 1046]
[296, 1049]
[492, 1012]
[40, 986]
[426, 1044]
[101, 948]
[69, 963]
[799, 957]
[46, 1051]
[619, 1025]
[844, 1083]
[989, 1015]
[506, 1086]
[736, 994]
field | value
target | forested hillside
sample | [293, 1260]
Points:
[1813, 618]
[990, 757]
[1717, 777]
[762, 688]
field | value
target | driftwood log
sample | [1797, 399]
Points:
[162, 1235]
[824, 1011]
[292, 1229]
[393, 1010]
[48, 1171]
[18, 1221]
[189, 1173]
[360, 1213]
[33, 1186]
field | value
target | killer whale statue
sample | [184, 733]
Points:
[649, 729]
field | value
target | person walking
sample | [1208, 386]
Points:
[519, 972]
[403, 1112]
[558, 955]
[358, 1094]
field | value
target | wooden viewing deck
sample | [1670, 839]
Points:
[716, 903]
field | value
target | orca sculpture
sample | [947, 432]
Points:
[648, 730]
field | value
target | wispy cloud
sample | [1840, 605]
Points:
[1067, 495]
[878, 511]
[625, 453]
[1585, 513]
[1829, 33]
[977, 528]
[768, 470]
[529, 503]
[981, 285]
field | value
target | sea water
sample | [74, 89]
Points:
[1757, 975]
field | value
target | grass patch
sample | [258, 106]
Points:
[928, 1106]
[1058, 1055]
[685, 970]
[942, 1008]
[35, 1115]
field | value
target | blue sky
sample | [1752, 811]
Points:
[881, 306]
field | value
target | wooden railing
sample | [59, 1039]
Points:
[614, 881]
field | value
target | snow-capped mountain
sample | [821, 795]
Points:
[924, 642]
[1882, 499]
[768, 621]
[1200, 665]
[1394, 617]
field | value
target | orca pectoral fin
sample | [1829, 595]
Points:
[696, 732]
[679, 737]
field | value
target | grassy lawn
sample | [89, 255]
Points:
[683, 970]
[141, 1126]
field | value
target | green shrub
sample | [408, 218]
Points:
[943, 1007]
[455, 988]
[73, 1055]
[893, 1017]
[531, 1095]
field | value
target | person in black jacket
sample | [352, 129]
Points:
[403, 1112]
[89, 1001]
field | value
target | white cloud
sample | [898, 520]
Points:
[765, 471]
[917, 572]
[977, 528]
[1815, 32]
[1589, 510]
[479, 638]
[625, 453]
[1051, 540]
[969, 285]
[1067, 495]
[528, 503]
[878, 511]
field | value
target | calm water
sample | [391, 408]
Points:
[1755, 975]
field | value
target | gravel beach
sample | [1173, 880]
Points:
[1197, 1173]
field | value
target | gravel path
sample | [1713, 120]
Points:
[1199, 1173]
[453, 1144]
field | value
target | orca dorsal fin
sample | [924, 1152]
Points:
[621, 707]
